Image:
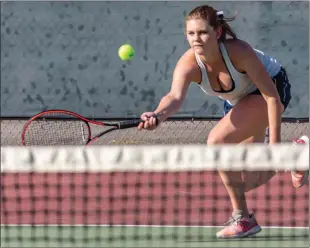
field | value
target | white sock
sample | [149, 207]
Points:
[237, 212]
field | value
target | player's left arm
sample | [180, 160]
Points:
[251, 64]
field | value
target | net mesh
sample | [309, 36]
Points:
[147, 196]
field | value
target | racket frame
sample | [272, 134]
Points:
[70, 113]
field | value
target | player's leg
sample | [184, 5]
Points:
[300, 178]
[254, 179]
[247, 120]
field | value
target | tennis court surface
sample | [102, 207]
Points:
[145, 195]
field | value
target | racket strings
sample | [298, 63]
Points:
[56, 132]
[84, 132]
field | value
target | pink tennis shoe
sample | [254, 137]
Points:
[299, 178]
[239, 227]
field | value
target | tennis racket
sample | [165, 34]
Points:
[62, 127]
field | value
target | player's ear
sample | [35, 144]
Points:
[219, 32]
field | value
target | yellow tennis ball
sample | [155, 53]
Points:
[126, 52]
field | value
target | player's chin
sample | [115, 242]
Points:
[198, 50]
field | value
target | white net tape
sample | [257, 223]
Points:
[155, 158]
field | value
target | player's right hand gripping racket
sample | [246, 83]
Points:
[62, 127]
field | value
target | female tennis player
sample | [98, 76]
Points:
[256, 91]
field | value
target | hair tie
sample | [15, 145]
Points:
[220, 15]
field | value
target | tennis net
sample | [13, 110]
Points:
[147, 196]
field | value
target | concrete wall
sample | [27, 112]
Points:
[64, 54]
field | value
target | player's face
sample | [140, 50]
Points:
[200, 35]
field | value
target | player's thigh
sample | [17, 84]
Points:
[254, 179]
[247, 120]
[258, 138]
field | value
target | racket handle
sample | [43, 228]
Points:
[131, 123]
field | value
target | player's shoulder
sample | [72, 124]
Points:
[237, 48]
[188, 66]
[188, 59]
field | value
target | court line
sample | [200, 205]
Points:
[169, 226]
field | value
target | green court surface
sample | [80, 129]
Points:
[145, 236]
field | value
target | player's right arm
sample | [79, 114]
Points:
[185, 72]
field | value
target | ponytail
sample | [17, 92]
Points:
[226, 29]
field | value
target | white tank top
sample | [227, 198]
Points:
[241, 83]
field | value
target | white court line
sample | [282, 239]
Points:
[159, 226]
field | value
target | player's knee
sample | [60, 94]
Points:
[214, 139]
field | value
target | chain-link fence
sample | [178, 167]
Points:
[170, 132]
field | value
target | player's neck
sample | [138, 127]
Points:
[212, 57]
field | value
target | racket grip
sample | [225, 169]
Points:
[131, 123]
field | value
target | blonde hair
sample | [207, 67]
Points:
[214, 19]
